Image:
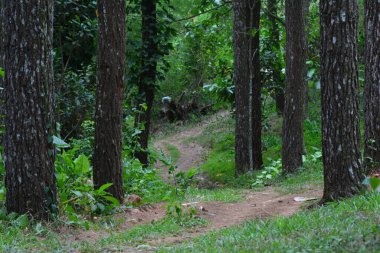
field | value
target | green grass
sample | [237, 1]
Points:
[218, 137]
[174, 153]
[309, 177]
[221, 194]
[348, 226]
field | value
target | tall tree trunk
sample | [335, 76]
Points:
[148, 75]
[277, 67]
[248, 153]
[340, 99]
[292, 135]
[372, 85]
[306, 100]
[109, 96]
[27, 32]
[2, 93]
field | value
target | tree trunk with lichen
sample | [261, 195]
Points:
[248, 153]
[292, 134]
[109, 96]
[340, 99]
[148, 75]
[372, 86]
[27, 52]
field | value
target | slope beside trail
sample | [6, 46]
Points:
[191, 153]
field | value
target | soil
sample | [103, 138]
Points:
[255, 205]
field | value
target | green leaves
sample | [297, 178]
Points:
[82, 165]
[59, 143]
[2, 74]
[372, 183]
[21, 222]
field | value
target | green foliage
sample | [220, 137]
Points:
[273, 170]
[144, 182]
[76, 100]
[77, 195]
[268, 173]
[2, 73]
[372, 184]
[13, 219]
[202, 54]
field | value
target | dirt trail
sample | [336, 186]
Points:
[264, 204]
[257, 205]
[192, 154]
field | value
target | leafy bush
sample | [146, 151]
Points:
[144, 182]
[76, 191]
[273, 170]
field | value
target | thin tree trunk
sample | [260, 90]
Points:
[148, 74]
[292, 135]
[109, 96]
[277, 68]
[340, 99]
[248, 153]
[27, 32]
[372, 85]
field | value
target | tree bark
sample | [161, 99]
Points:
[277, 67]
[248, 153]
[340, 99]
[148, 75]
[292, 135]
[27, 50]
[372, 86]
[109, 96]
[306, 100]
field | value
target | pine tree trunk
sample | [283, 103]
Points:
[148, 74]
[292, 135]
[109, 96]
[372, 85]
[2, 93]
[27, 52]
[277, 68]
[306, 100]
[248, 154]
[340, 99]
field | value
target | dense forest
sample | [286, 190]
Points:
[190, 126]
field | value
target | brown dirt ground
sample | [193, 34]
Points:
[256, 205]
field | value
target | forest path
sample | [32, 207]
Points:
[191, 154]
[253, 204]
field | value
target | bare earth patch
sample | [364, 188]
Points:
[257, 205]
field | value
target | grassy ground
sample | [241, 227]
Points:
[348, 226]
